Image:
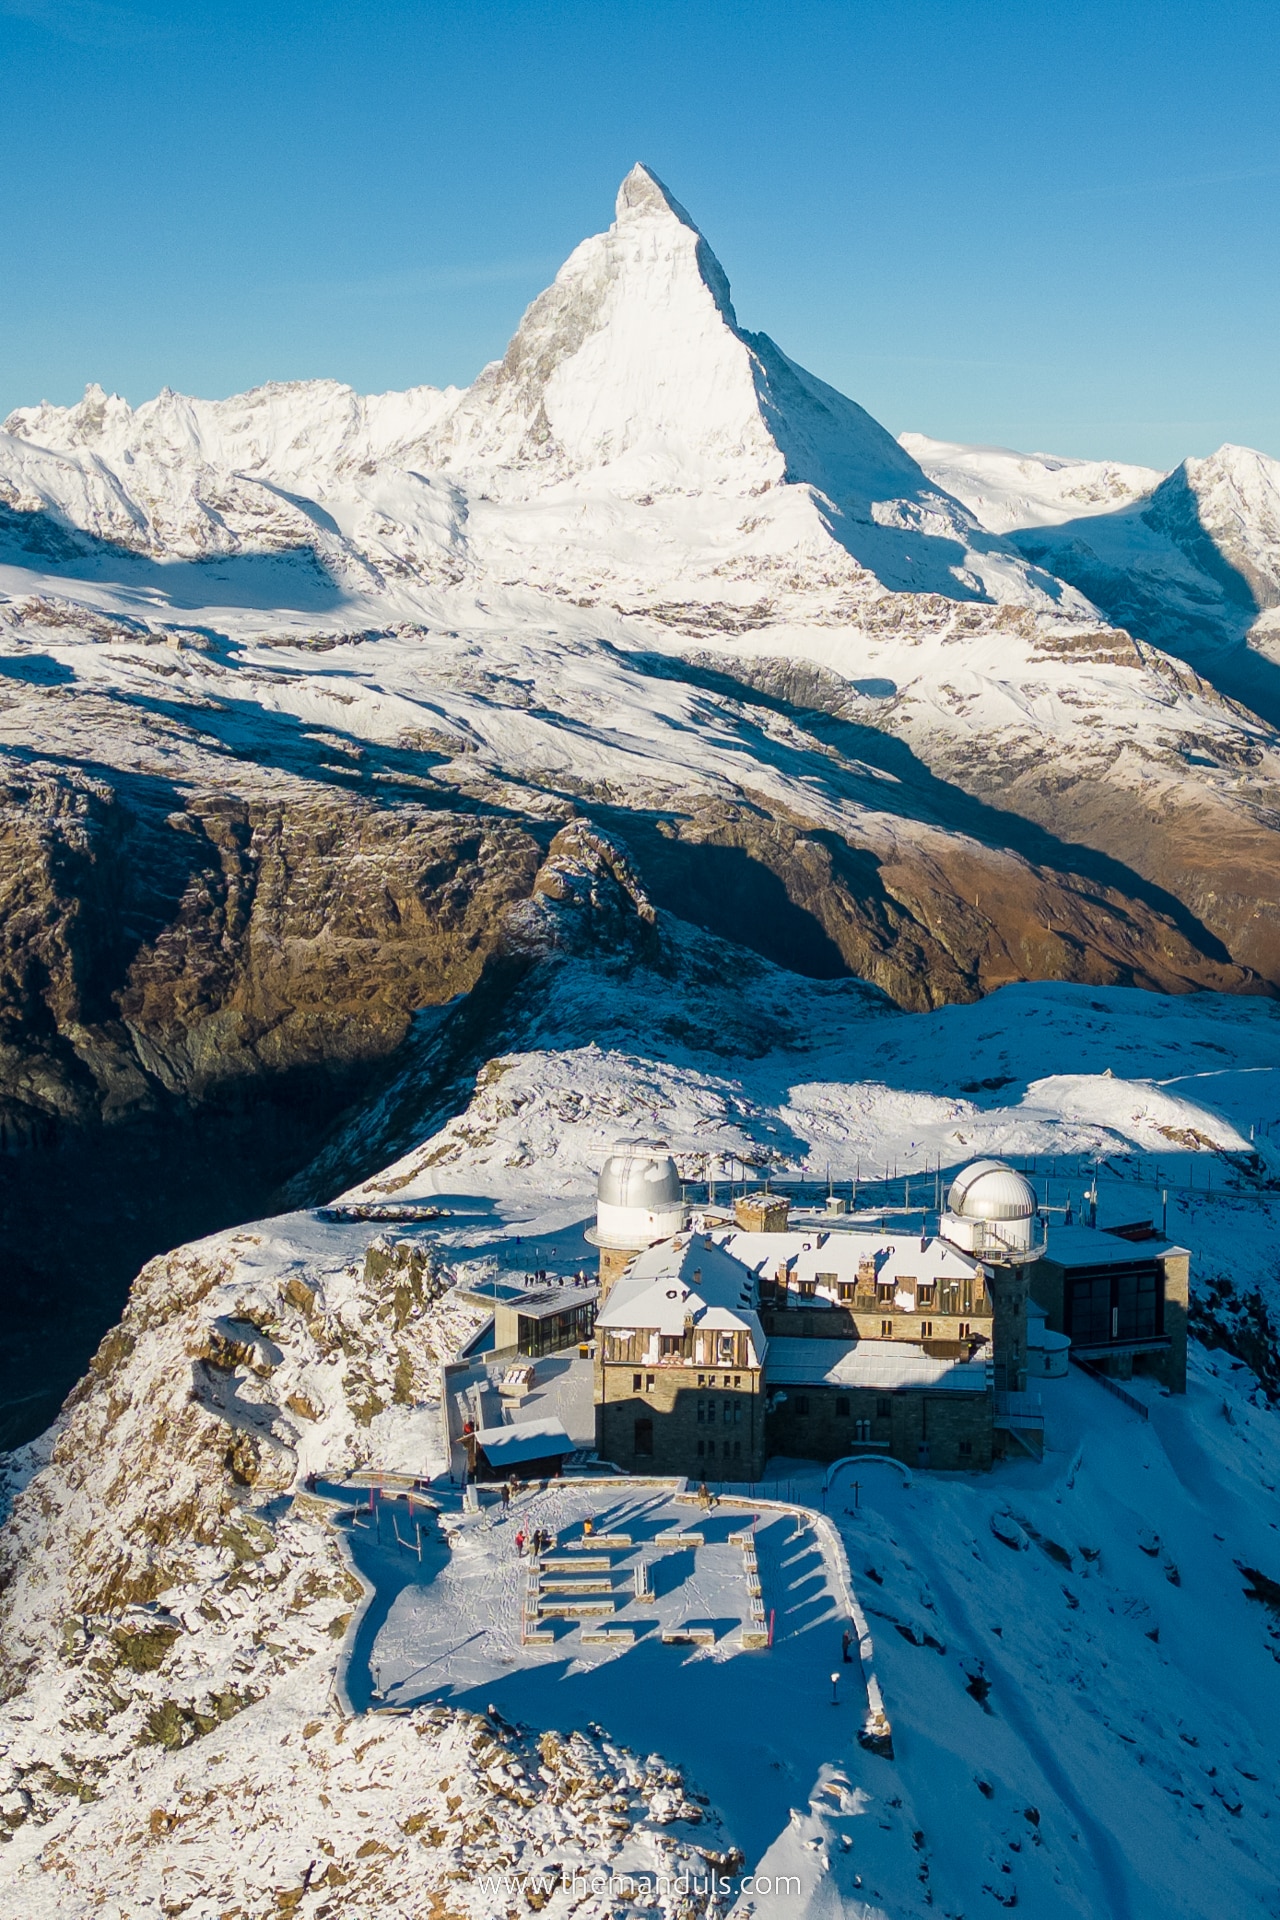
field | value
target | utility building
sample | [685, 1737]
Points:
[1122, 1301]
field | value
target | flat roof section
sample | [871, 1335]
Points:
[546, 1303]
[884, 1365]
[1071, 1247]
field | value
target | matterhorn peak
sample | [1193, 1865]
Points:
[643, 192]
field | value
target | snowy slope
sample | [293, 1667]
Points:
[1189, 560]
[1009, 491]
[1082, 1702]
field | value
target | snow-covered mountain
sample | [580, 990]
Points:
[1189, 560]
[407, 793]
[632, 436]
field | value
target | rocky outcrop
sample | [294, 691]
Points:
[152, 955]
[166, 1622]
[927, 917]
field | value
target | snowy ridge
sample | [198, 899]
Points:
[1008, 491]
[1195, 551]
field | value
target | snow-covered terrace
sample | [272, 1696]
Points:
[448, 1628]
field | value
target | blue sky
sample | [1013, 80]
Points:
[1051, 226]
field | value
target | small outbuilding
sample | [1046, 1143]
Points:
[524, 1450]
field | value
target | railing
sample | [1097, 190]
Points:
[1131, 1400]
[1020, 1412]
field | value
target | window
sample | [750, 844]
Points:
[966, 1447]
[807, 1289]
[737, 1379]
[883, 1409]
[846, 1290]
[644, 1440]
[702, 1448]
[925, 1293]
[862, 1429]
[886, 1329]
[648, 1383]
[724, 1349]
[802, 1405]
[669, 1343]
[737, 1449]
[842, 1409]
[711, 1412]
[885, 1292]
[702, 1379]
[711, 1449]
[964, 1329]
[926, 1329]
[702, 1413]
[635, 1383]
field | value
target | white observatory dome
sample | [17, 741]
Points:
[993, 1212]
[638, 1196]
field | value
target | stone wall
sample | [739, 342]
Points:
[820, 1423]
[681, 1415]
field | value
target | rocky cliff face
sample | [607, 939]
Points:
[172, 1604]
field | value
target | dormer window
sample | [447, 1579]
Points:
[885, 1291]
[926, 1293]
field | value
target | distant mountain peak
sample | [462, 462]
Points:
[643, 192]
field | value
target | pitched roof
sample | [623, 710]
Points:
[524, 1440]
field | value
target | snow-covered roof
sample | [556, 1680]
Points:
[887, 1365]
[841, 1251]
[668, 1275]
[524, 1440]
[1093, 1247]
[687, 1278]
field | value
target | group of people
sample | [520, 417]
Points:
[539, 1541]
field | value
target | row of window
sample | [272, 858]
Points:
[643, 1443]
[643, 1382]
[707, 1412]
[883, 1410]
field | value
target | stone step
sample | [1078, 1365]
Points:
[597, 1540]
[590, 1584]
[575, 1563]
[689, 1637]
[608, 1636]
[675, 1539]
[574, 1609]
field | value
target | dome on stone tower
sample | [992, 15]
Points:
[991, 1190]
[639, 1200]
[993, 1212]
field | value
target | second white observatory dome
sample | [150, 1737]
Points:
[993, 1212]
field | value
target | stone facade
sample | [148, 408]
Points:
[946, 1430]
[614, 1262]
[676, 1419]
